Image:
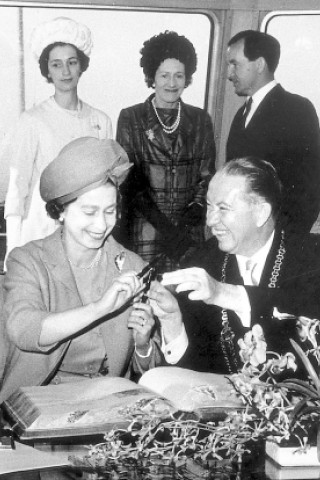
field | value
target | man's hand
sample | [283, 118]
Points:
[166, 308]
[162, 301]
[202, 286]
[210, 291]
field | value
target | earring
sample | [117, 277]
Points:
[61, 220]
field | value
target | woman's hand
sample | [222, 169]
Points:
[120, 291]
[142, 322]
[202, 286]
[59, 326]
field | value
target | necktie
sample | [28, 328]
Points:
[246, 111]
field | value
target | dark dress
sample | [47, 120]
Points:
[164, 197]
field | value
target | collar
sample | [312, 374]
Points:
[75, 113]
[258, 258]
[258, 97]
[261, 93]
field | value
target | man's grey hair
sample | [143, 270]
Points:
[261, 178]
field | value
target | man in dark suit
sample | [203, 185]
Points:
[252, 271]
[275, 125]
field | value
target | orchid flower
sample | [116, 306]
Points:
[283, 362]
[253, 347]
[307, 329]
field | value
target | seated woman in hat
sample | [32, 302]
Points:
[62, 49]
[67, 296]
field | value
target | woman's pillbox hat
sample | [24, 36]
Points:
[61, 29]
[82, 165]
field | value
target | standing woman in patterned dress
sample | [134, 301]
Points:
[62, 48]
[171, 145]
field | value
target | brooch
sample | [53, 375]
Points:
[150, 134]
[119, 260]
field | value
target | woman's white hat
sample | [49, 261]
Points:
[61, 29]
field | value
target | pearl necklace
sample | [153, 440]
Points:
[93, 264]
[175, 124]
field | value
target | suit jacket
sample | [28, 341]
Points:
[297, 292]
[39, 281]
[169, 173]
[285, 131]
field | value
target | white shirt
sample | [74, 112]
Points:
[175, 349]
[258, 260]
[258, 97]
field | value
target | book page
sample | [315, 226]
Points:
[190, 390]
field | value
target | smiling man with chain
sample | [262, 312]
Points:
[250, 270]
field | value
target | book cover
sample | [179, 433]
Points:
[93, 406]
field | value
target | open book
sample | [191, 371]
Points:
[94, 406]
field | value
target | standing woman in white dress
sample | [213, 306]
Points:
[62, 48]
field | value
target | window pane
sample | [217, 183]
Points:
[299, 68]
[114, 79]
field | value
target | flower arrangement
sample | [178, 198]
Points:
[285, 410]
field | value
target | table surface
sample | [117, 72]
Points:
[255, 466]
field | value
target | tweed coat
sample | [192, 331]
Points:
[172, 173]
[39, 281]
[284, 130]
[297, 292]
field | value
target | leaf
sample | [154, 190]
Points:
[299, 410]
[300, 386]
[306, 362]
[311, 409]
[305, 410]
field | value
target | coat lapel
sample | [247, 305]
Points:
[268, 267]
[186, 129]
[152, 128]
[233, 273]
[55, 257]
[265, 107]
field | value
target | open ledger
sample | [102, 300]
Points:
[95, 406]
